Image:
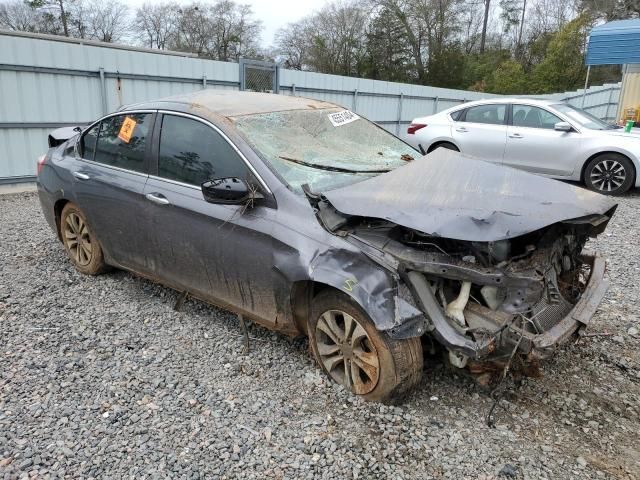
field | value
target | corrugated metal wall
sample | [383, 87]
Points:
[601, 101]
[47, 82]
[392, 105]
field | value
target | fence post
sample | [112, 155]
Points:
[103, 92]
[399, 113]
[204, 81]
[606, 113]
[355, 100]
[435, 105]
[277, 79]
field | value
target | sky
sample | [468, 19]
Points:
[277, 13]
[273, 13]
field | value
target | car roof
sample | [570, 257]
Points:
[229, 103]
[529, 101]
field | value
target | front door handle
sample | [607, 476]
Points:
[157, 198]
[461, 130]
[515, 135]
[81, 176]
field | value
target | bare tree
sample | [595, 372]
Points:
[194, 30]
[17, 15]
[292, 43]
[54, 9]
[109, 21]
[483, 35]
[157, 24]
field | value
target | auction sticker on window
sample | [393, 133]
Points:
[126, 130]
[342, 118]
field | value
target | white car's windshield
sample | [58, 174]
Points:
[583, 118]
[324, 149]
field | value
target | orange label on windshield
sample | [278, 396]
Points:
[126, 130]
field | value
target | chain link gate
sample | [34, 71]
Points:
[259, 76]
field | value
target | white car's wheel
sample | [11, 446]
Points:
[609, 173]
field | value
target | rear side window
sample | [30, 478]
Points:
[455, 116]
[88, 142]
[192, 152]
[122, 141]
[489, 114]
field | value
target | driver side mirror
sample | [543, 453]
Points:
[230, 191]
[563, 127]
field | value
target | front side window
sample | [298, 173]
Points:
[88, 142]
[533, 117]
[122, 141]
[489, 114]
[192, 152]
[324, 148]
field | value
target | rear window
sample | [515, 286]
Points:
[492, 114]
[122, 141]
[88, 142]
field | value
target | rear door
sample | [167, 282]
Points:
[222, 253]
[481, 131]
[109, 175]
[534, 145]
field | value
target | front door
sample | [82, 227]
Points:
[534, 145]
[481, 131]
[221, 253]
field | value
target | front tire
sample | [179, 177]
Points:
[609, 174]
[352, 352]
[80, 242]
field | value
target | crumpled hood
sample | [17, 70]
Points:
[450, 195]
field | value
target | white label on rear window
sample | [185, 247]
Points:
[342, 118]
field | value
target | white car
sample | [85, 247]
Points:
[541, 136]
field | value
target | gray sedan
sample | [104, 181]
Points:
[310, 220]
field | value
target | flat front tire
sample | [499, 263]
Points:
[353, 353]
[80, 242]
[609, 174]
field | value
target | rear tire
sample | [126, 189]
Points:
[80, 242]
[352, 352]
[609, 174]
[446, 145]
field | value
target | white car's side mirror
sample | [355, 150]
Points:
[563, 127]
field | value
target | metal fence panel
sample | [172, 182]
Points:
[48, 81]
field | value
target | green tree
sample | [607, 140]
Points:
[563, 65]
[509, 78]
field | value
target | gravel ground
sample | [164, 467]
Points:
[101, 378]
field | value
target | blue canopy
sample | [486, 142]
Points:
[614, 43]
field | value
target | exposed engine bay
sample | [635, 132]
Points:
[486, 300]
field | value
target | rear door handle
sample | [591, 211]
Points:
[515, 135]
[461, 130]
[157, 198]
[81, 176]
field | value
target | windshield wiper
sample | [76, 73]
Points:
[331, 169]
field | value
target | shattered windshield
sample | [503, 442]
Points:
[326, 149]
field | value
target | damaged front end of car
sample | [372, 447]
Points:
[490, 282]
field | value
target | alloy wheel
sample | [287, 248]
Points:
[347, 352]
[608, 175]
[77, 239]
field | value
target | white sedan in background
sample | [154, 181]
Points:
[541, 136]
